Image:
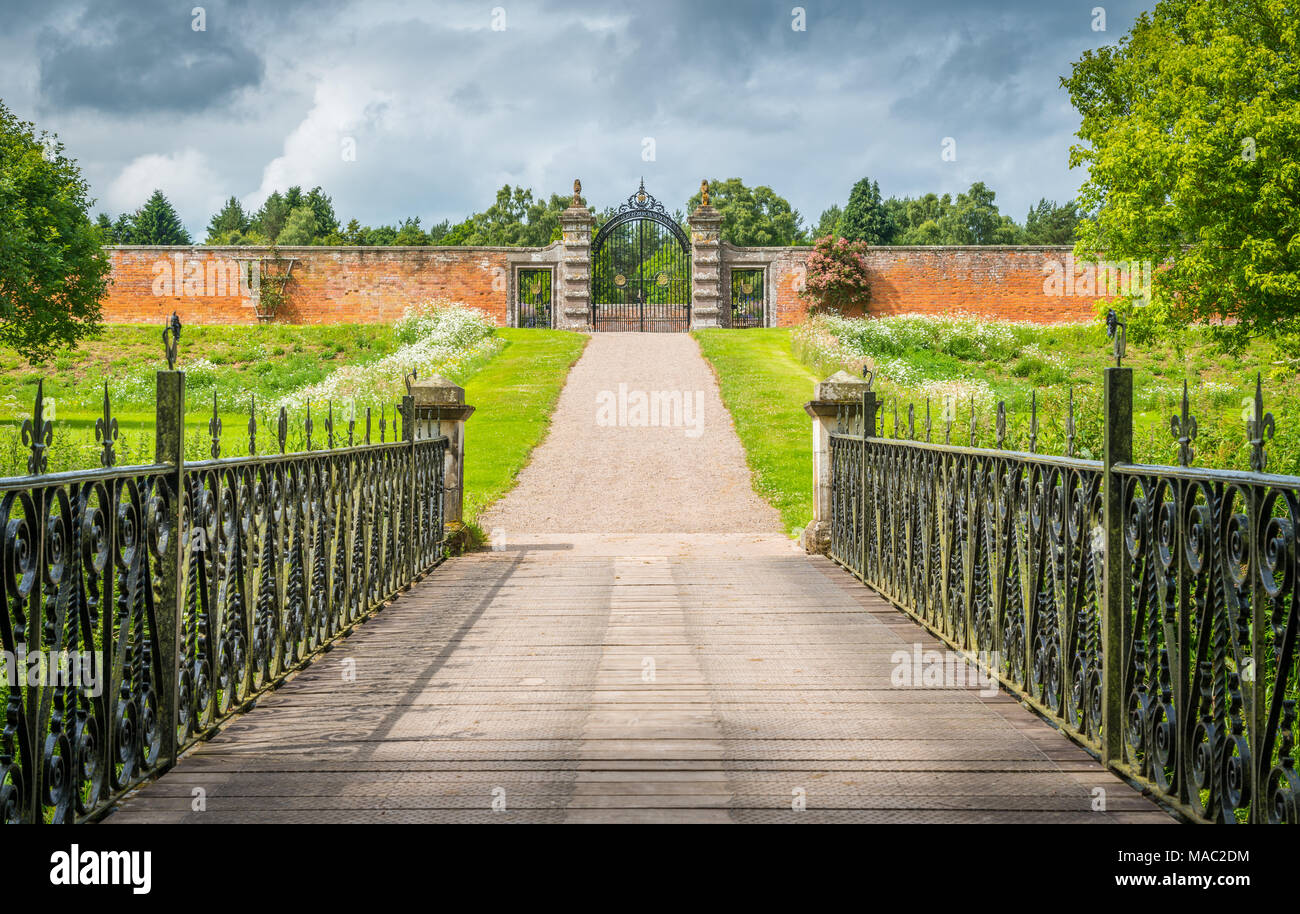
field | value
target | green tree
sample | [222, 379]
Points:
[322, 207]
[231, 220]
[270, 218]
[752, 217]
[1191, 136]
[299, 228]
[124, 229]
[516, 218]
[1048, 223]
[865, 217]
[971, 219]
[974, 219]
[158, 223]
[410, 233]
[53, 270]
[828, 226]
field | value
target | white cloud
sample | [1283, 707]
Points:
[342, 109]
[185, 177]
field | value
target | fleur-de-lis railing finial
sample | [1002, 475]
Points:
[214, 428]
[1002, 423]
[911, 421]
[1184, 430]
[252, 425]
[171, 336]
[895, 417]
[367, 425]
[352, 423]
[1117, 330]
[106, 433]
[329, 426]
[973, 421]
[1069, 426]
[282, 428]
[383, 422]
[927, 420]
[1033, 422]
[307, 425]
[1260, 428]
[38, 433]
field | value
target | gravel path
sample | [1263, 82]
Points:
[605, 467]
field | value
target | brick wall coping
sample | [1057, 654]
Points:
[469, 248]
[913, 247]
[332, 248]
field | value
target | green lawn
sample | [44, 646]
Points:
[765, 387]
[955, 359]
[767, 375]
[514, 396]
[514, 393]
[264, 361]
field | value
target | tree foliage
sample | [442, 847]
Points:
[972, 219]
[53, 272]
[1190, 130]
[1050, 223]
[865, 217]
[753, 216]
[829, 223]
[158, 223]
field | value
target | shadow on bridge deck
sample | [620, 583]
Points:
[704, 678]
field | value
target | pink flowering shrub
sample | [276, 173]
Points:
[837, 275]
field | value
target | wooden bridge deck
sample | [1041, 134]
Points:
[523, 677]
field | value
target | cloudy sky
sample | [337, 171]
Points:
[445, 102]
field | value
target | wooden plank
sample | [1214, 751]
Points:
[628, 678]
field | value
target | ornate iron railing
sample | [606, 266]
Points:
[144, 605]
[1006, 556]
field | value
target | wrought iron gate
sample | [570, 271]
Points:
[641, 269]
[533, 299]
[747, 298]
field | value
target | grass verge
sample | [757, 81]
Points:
[513, 396]
[765, 387]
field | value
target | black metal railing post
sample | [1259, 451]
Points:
[169, 449]
[1117, 448]
[409, 436]
[868, 431]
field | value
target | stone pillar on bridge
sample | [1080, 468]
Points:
[840, 395]
[706, 263]
[440, 410]
[575, 267]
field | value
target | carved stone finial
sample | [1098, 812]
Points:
[704, 193]
[577, 192]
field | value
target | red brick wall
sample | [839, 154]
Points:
[359, 284]
[327, 285]
[1002, 282]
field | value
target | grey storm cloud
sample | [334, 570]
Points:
[144, 57]
[444, 109]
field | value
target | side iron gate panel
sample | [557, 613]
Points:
[533, 299]
[747, 298]
[641, 270]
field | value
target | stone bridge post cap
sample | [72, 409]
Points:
[437, 391]
[842, 387]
